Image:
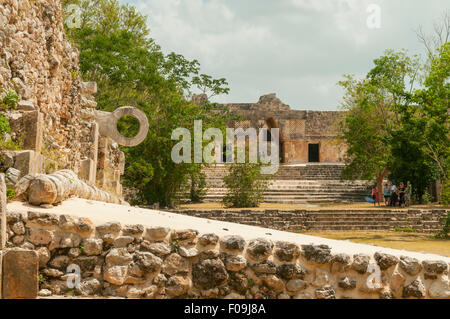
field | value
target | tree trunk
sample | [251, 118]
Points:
[380, 179]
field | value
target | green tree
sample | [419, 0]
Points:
[372, 114]
[431, 117]
[245, 185]
[425, 123]
[130, 69]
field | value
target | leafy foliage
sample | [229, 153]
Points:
[392, 128]
[371, 106]
[10, 100]
[130, 69]
[445, 195]
[246, 185]
[7, 144]
[10, 193]
[197, 186]
[445, 233]
[4, 125]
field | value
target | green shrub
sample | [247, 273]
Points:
[426, 198]
[197, 187]
[7, 144]
[405, 230]
[445, 232]
[174, 243]
[10, 193]
[445, 194]
[10, 100]
[10, 145]
[43, 279]
[246, 185]
[4, 125]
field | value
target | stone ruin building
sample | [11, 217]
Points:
[311, 157]
[305, 136]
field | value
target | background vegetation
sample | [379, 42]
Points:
[396, 125]
[117, 52]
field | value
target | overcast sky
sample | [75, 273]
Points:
[298, 49]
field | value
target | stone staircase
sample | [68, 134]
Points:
[425, 221]
[314, 172]
[357, 220]
[296, 184]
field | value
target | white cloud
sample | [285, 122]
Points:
[296, 48]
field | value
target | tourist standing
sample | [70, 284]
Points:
[375, 195]
[402, 192]
[386, 194]
[408, 193]
[392, 191]
[394, 195]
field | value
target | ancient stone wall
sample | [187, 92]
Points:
[54, 123]
[134, 261]
[427, 221]
[42, 67]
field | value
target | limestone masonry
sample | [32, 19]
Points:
[145, 260]
[55, 119]
[305, 136]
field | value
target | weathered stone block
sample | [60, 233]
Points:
[1, 274]
[30, 125]
[2, 211]
[20, 274]
[28, 162]
[88, 170]
[88, 88]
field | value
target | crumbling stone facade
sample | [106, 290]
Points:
[305, 136]
[55, 119]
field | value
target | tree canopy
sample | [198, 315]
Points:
[117, 52]
[392, 127]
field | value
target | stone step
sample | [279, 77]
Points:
[353, 214]
[297, 192]
[352, 219]
[352, 223]
[289, 172]
[296, 197]
[349, 227]
[276, 188]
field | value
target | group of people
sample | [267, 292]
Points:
[393, 195]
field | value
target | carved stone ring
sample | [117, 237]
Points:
[108, 125]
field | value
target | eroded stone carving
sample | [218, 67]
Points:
[54, 188]
[108, 125]
[2, 213]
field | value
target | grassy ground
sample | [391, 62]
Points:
[312, 206]
[396, 240]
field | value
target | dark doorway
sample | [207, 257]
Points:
[313, 153]
[268, 136]
[224, 154]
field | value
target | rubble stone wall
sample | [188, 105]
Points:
[42, 67]
[54, 123]
[134, 261]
